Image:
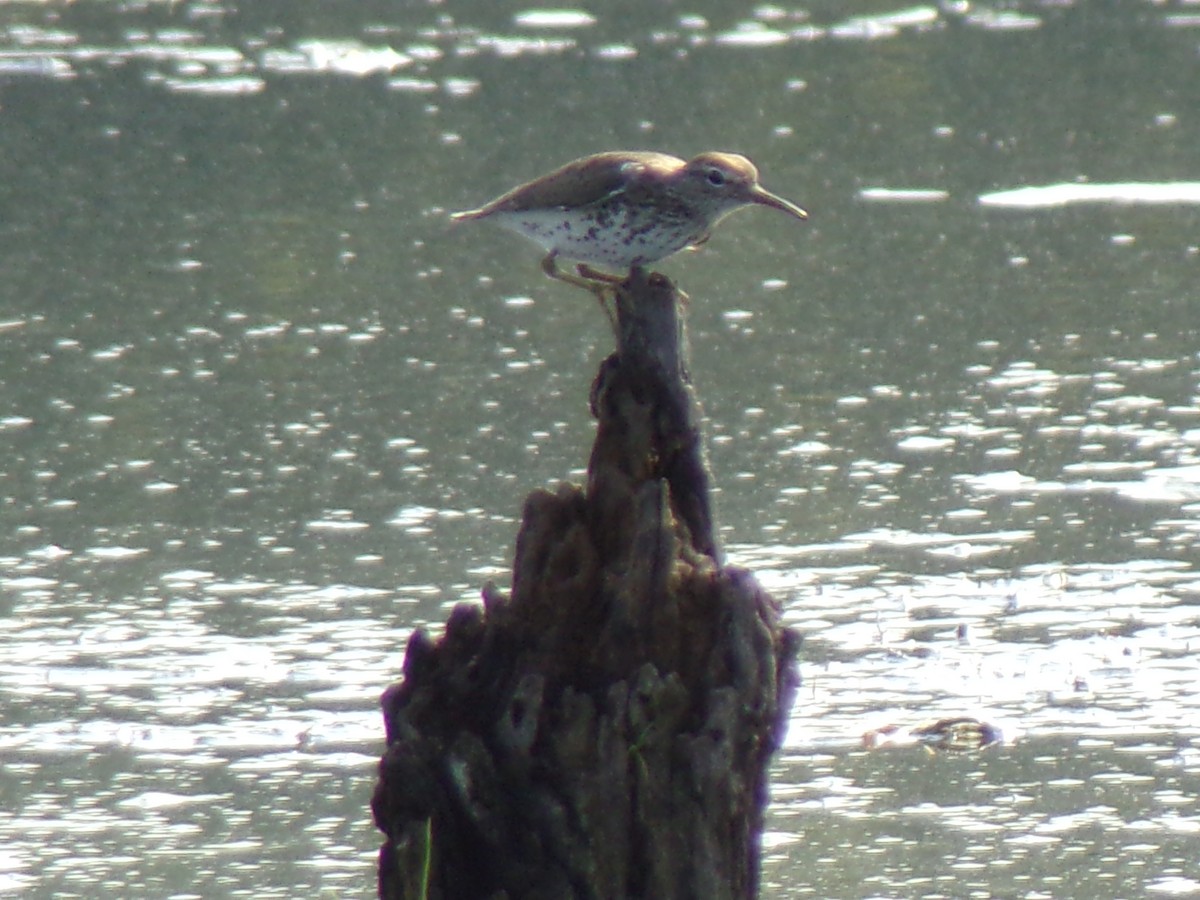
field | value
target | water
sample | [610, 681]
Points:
[264, 412]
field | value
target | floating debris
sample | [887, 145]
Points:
[957, 734]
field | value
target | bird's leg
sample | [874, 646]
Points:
[613, 282]
[586, 271]
[613, 285]
[550, 267]
[598, 284]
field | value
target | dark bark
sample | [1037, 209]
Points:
[605, 732]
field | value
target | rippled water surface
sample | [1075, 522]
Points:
[264, 411]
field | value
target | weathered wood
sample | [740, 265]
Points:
[605, 731]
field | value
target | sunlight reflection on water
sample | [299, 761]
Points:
[263, 417]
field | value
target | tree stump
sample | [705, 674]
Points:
[605, 731]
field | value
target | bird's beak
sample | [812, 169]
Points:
[763, 197]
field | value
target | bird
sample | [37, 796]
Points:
[623, 209]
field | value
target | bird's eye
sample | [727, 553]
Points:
[716, 177]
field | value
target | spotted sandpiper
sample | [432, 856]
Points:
[623, 209]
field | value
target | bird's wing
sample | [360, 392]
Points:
[582, 182]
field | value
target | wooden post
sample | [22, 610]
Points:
[604, 732]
